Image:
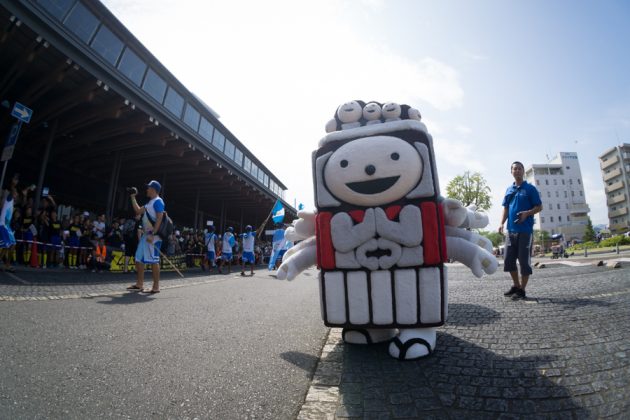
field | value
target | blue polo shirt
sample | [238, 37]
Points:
[518, 199]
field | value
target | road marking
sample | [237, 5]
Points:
[16, 278]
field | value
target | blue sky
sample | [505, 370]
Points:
[495, 81]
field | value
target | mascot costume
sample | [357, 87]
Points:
[382, 232]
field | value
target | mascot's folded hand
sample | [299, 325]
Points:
[454, 212]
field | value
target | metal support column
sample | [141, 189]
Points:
[113, 183]
[221, 222]
[196, 225]
[42, 170]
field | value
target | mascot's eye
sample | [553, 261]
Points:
[343, 163]
[395, 156]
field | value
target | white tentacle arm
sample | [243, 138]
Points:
[304, 254]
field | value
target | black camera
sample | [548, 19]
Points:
[132, 190]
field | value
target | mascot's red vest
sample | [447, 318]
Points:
[434, 242]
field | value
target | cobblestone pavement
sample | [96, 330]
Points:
[37, 284]
[562, 353]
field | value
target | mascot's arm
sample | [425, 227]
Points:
[471, 255]
[470, 236]
[297, 259]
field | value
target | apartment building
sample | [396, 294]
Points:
[615, 167]
[559, 183]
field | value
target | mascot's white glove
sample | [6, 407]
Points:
[297, 259]
[454, 212]
[475, 219]
[303, 227]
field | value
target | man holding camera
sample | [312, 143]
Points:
[149, 245]
[520, 204]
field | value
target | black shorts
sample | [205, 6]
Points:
[130, 248]
[518, 245]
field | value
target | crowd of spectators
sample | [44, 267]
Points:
[55, 235]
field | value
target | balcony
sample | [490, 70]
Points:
[620, 227]
[615, 186]
[619, 212]
[580, 208]
[612, 174]
[609, 162]
[616, 199]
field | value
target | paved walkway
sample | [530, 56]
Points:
[562, 353]
[38, 284]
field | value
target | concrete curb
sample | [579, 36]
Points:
[322, 398]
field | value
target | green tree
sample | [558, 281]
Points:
[495, 237]
[541, 237]
[589, 233]
[470, 189]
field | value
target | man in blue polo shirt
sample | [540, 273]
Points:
[520, 204]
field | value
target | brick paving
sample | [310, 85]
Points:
[562, 353]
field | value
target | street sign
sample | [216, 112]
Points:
[22, 112]
[9, 146]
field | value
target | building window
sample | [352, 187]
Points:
[548, 194]
[570, 182]
[132, 66]
[537, 182]
[568, 218]
[247, 164]
[238, 156]
[266, 180]
[566, 194]
[107, 45]
[567, 205]
[559, 218]
[154, 85]
[254, 171]
[572, 193]
[558, 205]
[218, 140]
[542, 219]
[568, 167]
[581, 194]
[174, 102]
[555, 182]
[57, 8]
[546, 182]
[557, 194]
[551, 219]
[81, 22]
[563, 182]
[229, 149]
[191, 117]
[579, 181]
[550, 206]
[205, 129]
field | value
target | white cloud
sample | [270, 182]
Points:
[276, 72]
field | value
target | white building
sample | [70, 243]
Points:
[615, 166]
[559, 183]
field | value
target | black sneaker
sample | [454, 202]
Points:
[520, 294]
[510, 292]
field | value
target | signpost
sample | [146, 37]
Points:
[23, 114]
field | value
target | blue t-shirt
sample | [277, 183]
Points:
[518, 199]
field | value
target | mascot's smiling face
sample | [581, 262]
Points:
[373, 171]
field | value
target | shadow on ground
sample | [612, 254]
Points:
[460, 379]
[127, 299]
[466, 314]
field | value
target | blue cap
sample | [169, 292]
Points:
[155, 185]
